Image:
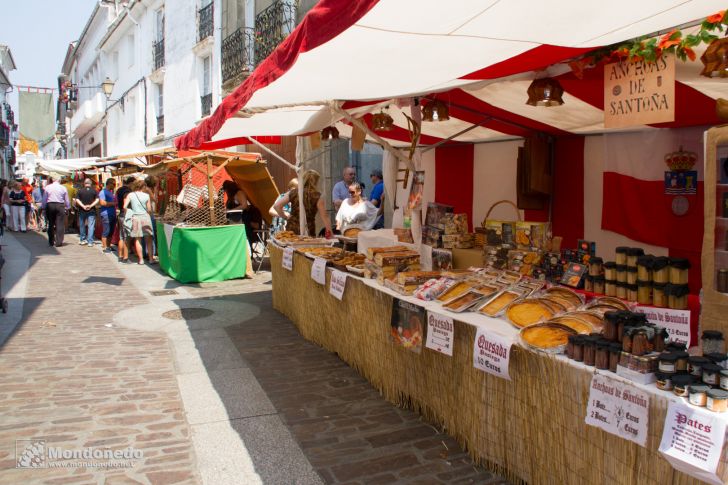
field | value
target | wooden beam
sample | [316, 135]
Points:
[222, 165]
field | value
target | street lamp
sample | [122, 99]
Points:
[107, 86]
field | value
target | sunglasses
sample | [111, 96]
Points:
[352, 192]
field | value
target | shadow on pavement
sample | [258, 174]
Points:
[105, 280]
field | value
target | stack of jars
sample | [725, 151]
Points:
[594, 279]
[701, 379]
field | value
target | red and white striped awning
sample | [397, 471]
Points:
[477, 56]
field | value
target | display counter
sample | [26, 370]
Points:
[529, 428]
[202, 254]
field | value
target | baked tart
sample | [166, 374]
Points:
[574, 323]
[550, 337]
[498, 303]
[456, 290]
[565, 294]
[523, 313]
[611, 301]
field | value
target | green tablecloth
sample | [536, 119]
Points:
[203, 254]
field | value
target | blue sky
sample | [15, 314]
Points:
[38, 33]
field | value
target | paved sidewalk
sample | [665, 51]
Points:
[210, 382]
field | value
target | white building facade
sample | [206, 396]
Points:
[8, 126]
[170, 64]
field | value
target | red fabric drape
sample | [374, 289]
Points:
[567, 215]
[322, 23]
[454, 178]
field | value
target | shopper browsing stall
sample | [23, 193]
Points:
[137, 219]
[86, 201]
[312, 203]
[355, 213]
[341, 188]
[377, 196]
[107, 202]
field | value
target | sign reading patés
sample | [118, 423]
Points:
[692, 441]
[440, 333]
[619, 409]
[287, 259]
[492, 353]
[639, 93]
[337, 285]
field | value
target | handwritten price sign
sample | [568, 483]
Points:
[440, 333]
[287, 261]
[337, 284]
[492, 353]
[619, 409]
[318, 271]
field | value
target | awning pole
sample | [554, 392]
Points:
[268, 150]
[363, 126]
[452, 137]
[211, 192]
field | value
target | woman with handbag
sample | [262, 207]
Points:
[137, 219]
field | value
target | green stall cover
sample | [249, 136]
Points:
[203, 254]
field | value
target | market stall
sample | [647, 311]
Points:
[195, 243]
[595, 213]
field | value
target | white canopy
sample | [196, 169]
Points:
[374, 50]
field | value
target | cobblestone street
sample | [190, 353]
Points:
[207, 381]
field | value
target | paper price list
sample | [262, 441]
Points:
[691, 442]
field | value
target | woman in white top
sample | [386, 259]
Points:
[137, 218]
[356, 212]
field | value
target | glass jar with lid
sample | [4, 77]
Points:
[599, 284]
[644, 292]
[644, 267]
[610, 270]
[677, 296]
[659, 294]
[712, 342]
[661, 270]
[632, 255]
[621, 255]
[679, 271]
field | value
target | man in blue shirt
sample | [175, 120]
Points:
[341, 189]
[377, 196]
[107, 201]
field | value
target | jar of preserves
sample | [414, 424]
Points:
[640, 342]
[610, 288]
[611, 323]
[681, 384]
[631, 275]
[615, 351]
[667, 362]
[644, 268]
[664, 381]
[622, 291]
[717, 400]
[595, 266]
[590, 349]
[601, 359]
[577, 352]
[712, 342]
[698, 395]
[621, 255]
[660, 339]
[632, 255]
[588, 283]
[679, 271]
[711, 374]
[681, 364]
[644, 292]
[660, 270]
[627, 339]
[621, 271]
[632, 292]
[570, 346]
[599, 284]
[610, 271]
[659, 294]
[677, 296]
[695, 365]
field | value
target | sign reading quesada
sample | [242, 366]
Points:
[639, 93]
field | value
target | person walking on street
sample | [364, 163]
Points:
[56, 203]
[17, 207]
[6, 204]
[137, 219]
[38, 205]
[70, 217]
[107, 202]
[121, 194]
[86, 201]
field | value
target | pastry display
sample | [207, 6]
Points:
[463, 302]
[574, 323]
[561, 293]
[498, 303]
[523, 313]
[551, 337]
[611, 301]
[326, 253]
[455, 291]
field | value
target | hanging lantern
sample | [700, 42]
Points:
[329, 133]
[435, 111]
[382, 122]
[545, 92]
[715, 59]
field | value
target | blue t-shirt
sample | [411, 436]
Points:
[108, 196]
[377, 192]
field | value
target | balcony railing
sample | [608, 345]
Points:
[160, 125]
[272, 25]
[237, 53]
[158, 53]
[204, 27]
[206, 103]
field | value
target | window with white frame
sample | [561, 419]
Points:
[206, 76]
